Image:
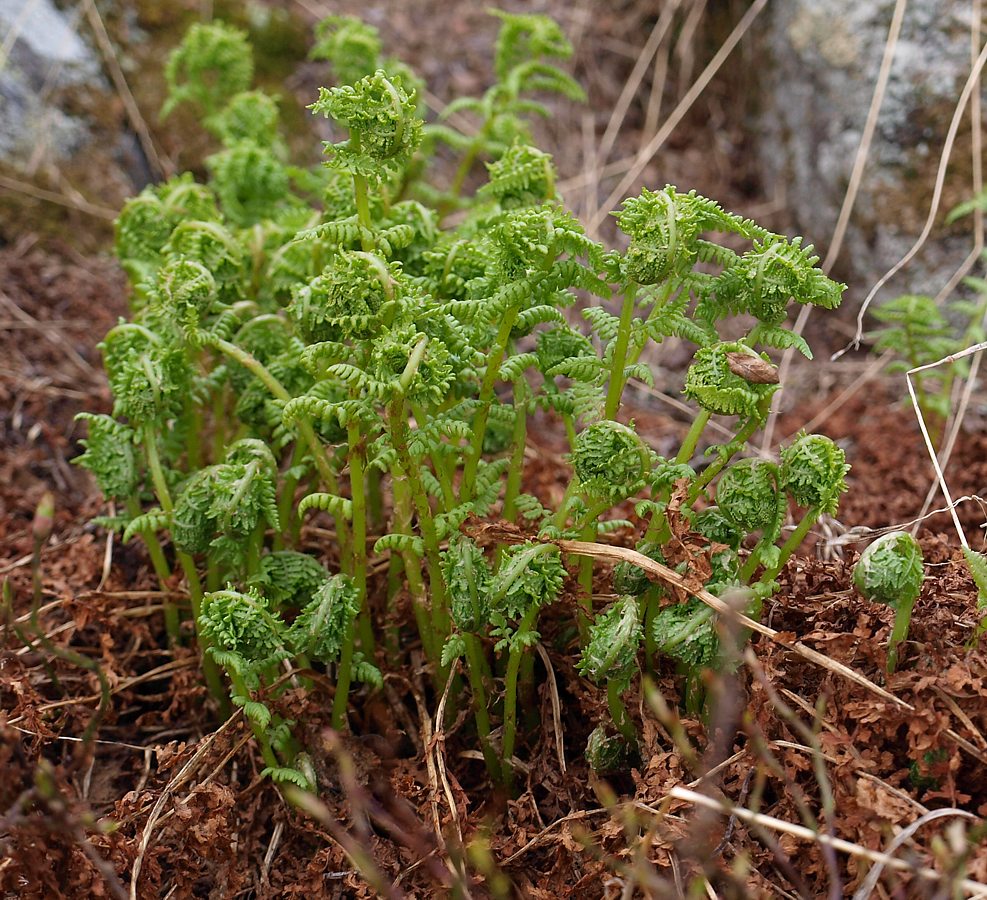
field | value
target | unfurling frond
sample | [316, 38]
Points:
[289, 578]
[468, 577]
[337, 506]
[633, 580]
[212, 63]
[529, 574]
[748, 495]
[890, 570]
[685, 631]
[720, 380]
[610, 461]
[242, 625]
[614, 639]
[111, 455]
[813, 470]
[350, 46]
[385, 129]
[523, 176]
[320, 628]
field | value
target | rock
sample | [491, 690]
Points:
[47, 56]
[826, 55]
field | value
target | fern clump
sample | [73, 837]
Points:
[330, 373]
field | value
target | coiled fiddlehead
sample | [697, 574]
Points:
[610, 461]
[720, 380]
[213, 63]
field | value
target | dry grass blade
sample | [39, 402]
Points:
[32, 190]
[850, 197]
[870, 882]
[553, 688]
[972, 888]
[644, 157]
[972, 81]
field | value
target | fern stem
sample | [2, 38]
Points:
[475, 665]
[619, 713]
[209, 668]
[899, 631]
[173, 625]
[691, 441]
[412, 565]
[791, 545]
[494, 360]
[359, 532]
[525, 626]
[398, 427]
[617, 364]
[519, 437]
[361, 193]
[240, 689]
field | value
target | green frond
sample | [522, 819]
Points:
[337, 506]
[289, 578]
[560, 344]
[468, 577]
[400, 543]
[243, 623]
[320, 628]
[523, 176]
[781, 338]
[351, 46]
[250, 181]
[111, 455]
[249, 116]
[977, 564]
[385, 129]
[713, 383]
[528, 574]
[514, 368]
[891, 570]
[686, 632]
[150, 522]
[632, 580]
[614, 639]
[610, 461]
[748, 494]
[524, 37]
[812, 472]
[213, 63]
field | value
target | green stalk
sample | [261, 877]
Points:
[519, 437]
[359, 532]
[173, 625]
[651, 606]
[305, 429]
[398, 428]
[619, 713]
[209, 668]
[475, 665]
[792, 544]
[510, 692]
[486, 396]
[361, 193]
[899, 631]
[619, 361]
[412, 567]
[266, 751]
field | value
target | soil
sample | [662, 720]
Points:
[169, 801]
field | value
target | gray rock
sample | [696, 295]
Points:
[45, 54]
[826, 55]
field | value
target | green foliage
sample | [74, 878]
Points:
[320, 354]
[890, 571]
[813, 470]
